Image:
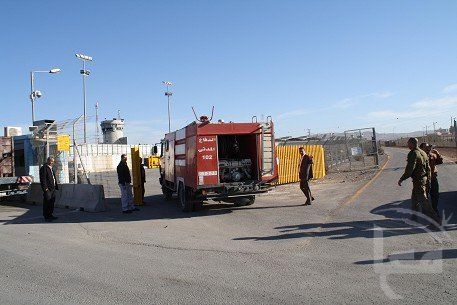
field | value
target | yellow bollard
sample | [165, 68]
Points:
[136, 175]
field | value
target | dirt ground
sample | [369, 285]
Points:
[449, 152]
[343, 174]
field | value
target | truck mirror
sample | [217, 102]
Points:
[154, 150]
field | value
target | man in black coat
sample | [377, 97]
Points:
[125, 180]
[305, 173]
[143, 179]
[49, 186]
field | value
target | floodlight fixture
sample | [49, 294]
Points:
[36, 93]
[84, 57]
[84, 73]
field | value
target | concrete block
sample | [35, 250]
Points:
[89, 197]
[35, 194]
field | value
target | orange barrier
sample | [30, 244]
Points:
[289, 159]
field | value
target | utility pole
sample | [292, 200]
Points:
[96, 122]
[450, 126]
[455, 133]
[168, 94]
[434, 129]
[36, 93]
[84, 72]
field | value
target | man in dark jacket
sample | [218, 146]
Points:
[125, 180]
[49, 186]
[305, 174]
[143, 179]
[418, 169]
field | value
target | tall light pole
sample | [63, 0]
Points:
[84, 73]
[36, 93]
[452, 126]
[168, 94]
[434, 129]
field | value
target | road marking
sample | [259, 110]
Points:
[364, 187]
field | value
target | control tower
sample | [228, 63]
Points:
[113, 131]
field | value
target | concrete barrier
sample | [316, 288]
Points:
[35, 194]
[91, 198]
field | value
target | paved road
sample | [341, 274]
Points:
[274, 252]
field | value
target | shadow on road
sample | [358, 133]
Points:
[155, 208]
[414, 256]
[395, 223]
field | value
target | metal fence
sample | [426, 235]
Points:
[82, 161]
[448, 140]
[353, 150]
[362, 148]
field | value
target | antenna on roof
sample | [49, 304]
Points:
[203, 118]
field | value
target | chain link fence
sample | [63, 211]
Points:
[92, 163]
[448, 140]
[349, 151]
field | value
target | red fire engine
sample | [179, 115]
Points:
[230, 162]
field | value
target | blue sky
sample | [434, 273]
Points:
[323, 65]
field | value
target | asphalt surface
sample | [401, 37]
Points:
[276, 251]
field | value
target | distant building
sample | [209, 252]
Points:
[12, 131]
[113, 131]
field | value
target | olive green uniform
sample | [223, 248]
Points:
[418, 169]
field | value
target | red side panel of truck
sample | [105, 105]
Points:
[207, 162]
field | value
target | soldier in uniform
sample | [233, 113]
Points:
[434, 158]
[418, 170]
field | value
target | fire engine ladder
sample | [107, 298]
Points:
[267, 148]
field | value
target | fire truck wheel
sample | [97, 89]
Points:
[242, 201]
[186, 205]
[198, 206]
[167, 192]
[250, 200]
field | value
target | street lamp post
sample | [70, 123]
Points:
[36, 93]
[168, 94]
[426, 130]
[451, 126]
[84, 73]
